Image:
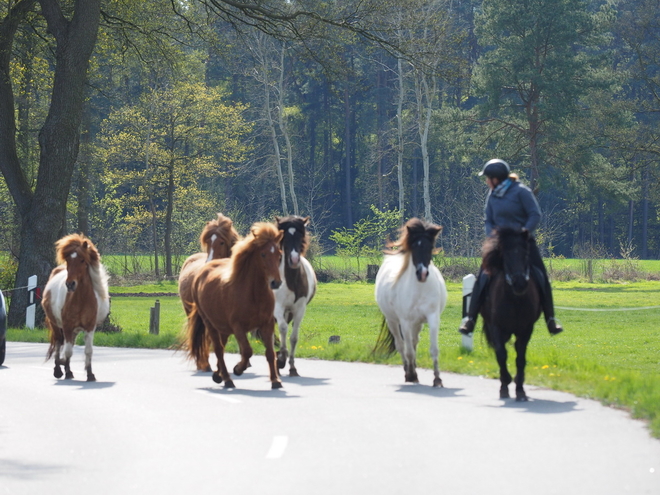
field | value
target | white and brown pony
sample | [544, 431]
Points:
[216, 241]
[298, 285]
[410, 291]
[75, 299]
[234, 296]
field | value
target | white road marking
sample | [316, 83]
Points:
[278, 447]
[223, 397]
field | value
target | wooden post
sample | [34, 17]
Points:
[154, 318]
[372, 271]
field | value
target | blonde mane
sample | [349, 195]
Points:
[403, 245]
[80, 244]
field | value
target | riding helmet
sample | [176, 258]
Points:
[496, 169]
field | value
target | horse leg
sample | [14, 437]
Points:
[283, 353]
[294, 342]
[501, 355]
[521, 361]
[246, 353]
[219, 342]
[89, 340]
[69, 339]
[434, 327]
[409, 357]
[268, 335]
[59, 340]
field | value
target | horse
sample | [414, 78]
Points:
[512, 304]
[234, 296]
[75, 299]
[298, 287]
[410, 291]
[216, 241]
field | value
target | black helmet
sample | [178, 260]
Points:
[496, 169]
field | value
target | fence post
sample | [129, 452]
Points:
[32, 300]
[154, 318]
[468, 284]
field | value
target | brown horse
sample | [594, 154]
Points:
[234, 296]
[217, 240]
[75, 298]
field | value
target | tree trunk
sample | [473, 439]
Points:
[285, 133]
[400, 141]
[168, 222]
[44, 213]
[347, 159]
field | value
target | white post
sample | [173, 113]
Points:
[468, 284]
[32, 299]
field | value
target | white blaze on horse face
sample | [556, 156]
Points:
[272, 249]
[294, 258]
[423, 272]
[292, 230]
[213, 238]
[74, 255]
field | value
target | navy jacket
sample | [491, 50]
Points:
[517, 208]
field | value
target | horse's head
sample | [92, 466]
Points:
[418, 238]
[266, 242]
[295, 238]
[218, 238]
[514, 249]
[79, 254]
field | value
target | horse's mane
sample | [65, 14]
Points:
[297, 220]
[408, 232]
[222, 227]
[77, 242]
[492, 248]
[261, 233]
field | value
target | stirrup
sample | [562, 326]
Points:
[467, 326]
[553, 326]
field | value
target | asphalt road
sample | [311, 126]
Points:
[151, 424]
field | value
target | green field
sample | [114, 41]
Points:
[612, 356]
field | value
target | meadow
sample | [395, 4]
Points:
[608, 354]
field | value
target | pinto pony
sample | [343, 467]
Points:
[298, 285]
[512, 304]
[75, 299]
[216, 241]
[234, 296]
[410, 291]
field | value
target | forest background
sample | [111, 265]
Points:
[135, 122]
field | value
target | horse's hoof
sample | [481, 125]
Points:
[229, 384]
[217, 378]
[91, 378]
[293, 372]
[276, 385]
[238, 370]
[281, 363]
[504, 394]
[57, 373]
[68, 376]
[437, 382]
[521, 397]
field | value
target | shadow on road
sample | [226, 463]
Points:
[266, 394]
[28, 472]
[540, 406]
[305, 381]
[420, 389]
[84, 385]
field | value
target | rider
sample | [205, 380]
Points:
[511, 204]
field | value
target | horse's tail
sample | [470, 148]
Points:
[385, 344]
[56, 337]
[196, 341]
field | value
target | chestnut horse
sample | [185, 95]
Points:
[298, 285]
[234, 296]
[410, 291]
[216, 240]
[512, 304]
[75, 299]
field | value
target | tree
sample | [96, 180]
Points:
[536, 70]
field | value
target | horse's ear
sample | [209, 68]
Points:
[85, 245]
[435, 230]
[306, 221]
[277, 219]
[525, 234]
